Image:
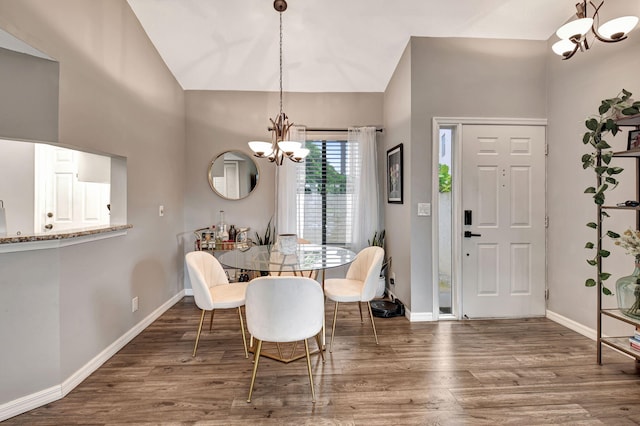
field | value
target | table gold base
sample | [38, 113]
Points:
[287, 352]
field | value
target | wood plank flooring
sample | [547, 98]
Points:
[520, 372]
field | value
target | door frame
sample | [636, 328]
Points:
[456, 198]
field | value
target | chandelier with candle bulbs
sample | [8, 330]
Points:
[573, 35]
[280, 145]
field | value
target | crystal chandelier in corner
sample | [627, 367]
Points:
[280, 145]
[573, 35]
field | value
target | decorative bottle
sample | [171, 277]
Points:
[628, 293]
[223, 233]
[232, 233]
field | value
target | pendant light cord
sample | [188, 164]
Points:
[280, 63]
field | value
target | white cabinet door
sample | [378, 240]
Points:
[64, 202]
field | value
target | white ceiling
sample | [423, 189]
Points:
[329, 45]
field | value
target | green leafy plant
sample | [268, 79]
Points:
[445, 178]
[599, 161]
[378, 240]
[321, 175]
[268, 238]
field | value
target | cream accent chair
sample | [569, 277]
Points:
[211, 290]
[284, 309]
[358, 286]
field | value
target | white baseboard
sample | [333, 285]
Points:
[40, 398]
[419, 316]
[412, 316]
[572, 325]
[29, 402]
[188, 292]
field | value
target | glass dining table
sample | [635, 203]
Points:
[305, 260]
[269, 259]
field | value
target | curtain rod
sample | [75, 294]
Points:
[313, 129]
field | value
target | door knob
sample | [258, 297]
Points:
[469, 234]
[48, 226]
[50, 214]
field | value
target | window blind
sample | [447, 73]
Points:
[326, 192]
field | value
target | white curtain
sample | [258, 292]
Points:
[365, 218]
[286, 186]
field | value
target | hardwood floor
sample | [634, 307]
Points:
[522, 372]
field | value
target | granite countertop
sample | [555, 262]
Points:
[61, 235]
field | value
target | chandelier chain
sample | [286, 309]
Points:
[280, 63]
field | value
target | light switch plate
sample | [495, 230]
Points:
[424, 209]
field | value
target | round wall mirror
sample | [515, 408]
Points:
[233, 175]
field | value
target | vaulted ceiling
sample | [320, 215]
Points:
[329, 45]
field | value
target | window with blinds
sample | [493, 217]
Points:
[326, 192]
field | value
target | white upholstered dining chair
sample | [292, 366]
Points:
[211, 290]
[284, 309]
[359, 285]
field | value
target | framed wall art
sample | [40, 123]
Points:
[634, 140]
[394, 175]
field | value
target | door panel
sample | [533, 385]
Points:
[520, 197]
[487, 197]
[503, 258]
[487, 266]
[63, 190]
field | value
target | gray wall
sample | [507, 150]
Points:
[17, 185]
[397, 129]
[575, 89]
[32, 85]
[60, 308]
[449, 77]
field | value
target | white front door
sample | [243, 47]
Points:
[503, 199]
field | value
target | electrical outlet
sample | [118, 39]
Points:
[134, 304]
[161, 211]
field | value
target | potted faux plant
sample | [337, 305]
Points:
[378, 240]
[268, 238]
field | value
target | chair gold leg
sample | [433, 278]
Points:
[373, 324]
[244, 338]
[306, 349]
[320, 347]
[333, 327]
[211, 320]
[360, 309]
[255, 368]
[199, 330]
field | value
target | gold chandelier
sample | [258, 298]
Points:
[573, 35]
[280, 145]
